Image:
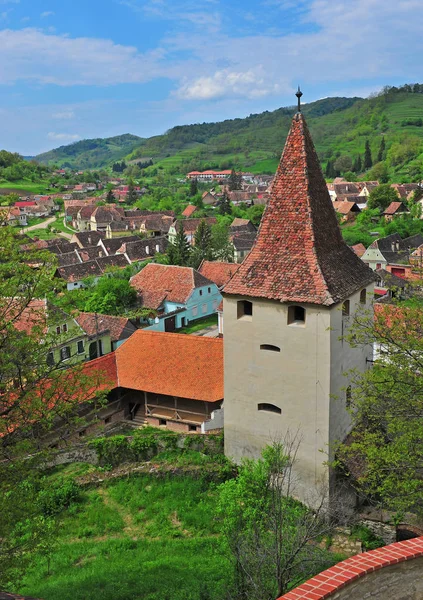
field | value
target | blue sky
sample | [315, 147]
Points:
[73, 69]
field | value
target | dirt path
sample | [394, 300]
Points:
[130, 528]
[42, 225]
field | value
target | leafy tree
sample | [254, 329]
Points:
[382, 196]
[343, 163]
[224, 205]
[367, 162]
[111, 296]
[272, 538]
[35, 397]
[131, 195]
[255, 213]
[380, 172]
[387, 409]
[381, 153]
[193, 187]
[110, 197]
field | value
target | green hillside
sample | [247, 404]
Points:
[91, 154]
[340, 128]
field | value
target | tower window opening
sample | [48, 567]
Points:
[244, 309]
[270, 347]
[363, 296]
[296, 315]
[266, 407]
[346, 308]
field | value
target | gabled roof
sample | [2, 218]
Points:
[358, 249]
[218, 272]
[344, 207]
[191, 225]
[88, 238]
[172, 364]
[189, 211]
[395, 207]
[143, 249]
[239, 225]
[244, 240]
[299, 254]
[93, 324]
[113, 245]
[156, 282]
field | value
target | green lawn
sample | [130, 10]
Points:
[199, 324]
[24, 185]
[139, 537]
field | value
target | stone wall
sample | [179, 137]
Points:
[390, 573]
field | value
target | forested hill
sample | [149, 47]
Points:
[340, 128]
[91, 154]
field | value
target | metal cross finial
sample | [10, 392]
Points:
[299, 94]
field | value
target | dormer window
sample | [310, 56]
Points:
[363, 295]
[244, 310]
[296, 315]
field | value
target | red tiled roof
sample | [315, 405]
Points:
[218, 272]
[189, 210]
[26, 319]
[395, 207]
[173, 364]
[299, 254]
[25, 203]
[93, 323]
[344, 207]
[358, 249]
[156, 282]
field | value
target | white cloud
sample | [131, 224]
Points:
[32, 55]
[63, 137]
[226, 83]
[182, 11]
[47, 13]
[65, 115]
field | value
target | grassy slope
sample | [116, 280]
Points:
[91, 154]
[255, 143]
[138, 537]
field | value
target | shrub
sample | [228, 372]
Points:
[369, 540]
[58, 497]
[111, 451]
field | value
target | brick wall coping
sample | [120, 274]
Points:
[325, 584]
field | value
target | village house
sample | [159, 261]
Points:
[68, 342]
[118, 328]
[135, 251]
[87, 238]
[189, 211]
[392, 253]
[389, 286]
[395, 209]
[242, 226]
[242, 243]
[285, 309]
[209, 198]
[103, 215]
[209, 175]
[74, 275]
[358, 249]
[178, 295]
[11, 215]
[111, 246]
[218, 272]
[346, 210]
[189, 226]
[32, 209]
[156, 225]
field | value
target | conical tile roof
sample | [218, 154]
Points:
[299, 254]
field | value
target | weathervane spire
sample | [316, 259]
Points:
[299, 94]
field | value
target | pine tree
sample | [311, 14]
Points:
[358, 165]
[182, 248]
[330, 170]
[193, 187]
[381, 153]
[131, 196]
[368, 162]
[110, 198]
[225, 206]
[203, 238]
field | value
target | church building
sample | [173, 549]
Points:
[285, 310]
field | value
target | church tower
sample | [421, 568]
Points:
[285, 310]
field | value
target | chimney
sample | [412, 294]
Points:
[398, 246]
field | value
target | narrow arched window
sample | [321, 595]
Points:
[363, 295]
[346, 308]
[266, 407]
[244, 309]
[270, 347]
[296, 315]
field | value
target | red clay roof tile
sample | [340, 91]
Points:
[299, 254]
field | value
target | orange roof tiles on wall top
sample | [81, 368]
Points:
[299, 254]
[172, 364]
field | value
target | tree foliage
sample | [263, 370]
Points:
[385, 455]
[382, 196]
